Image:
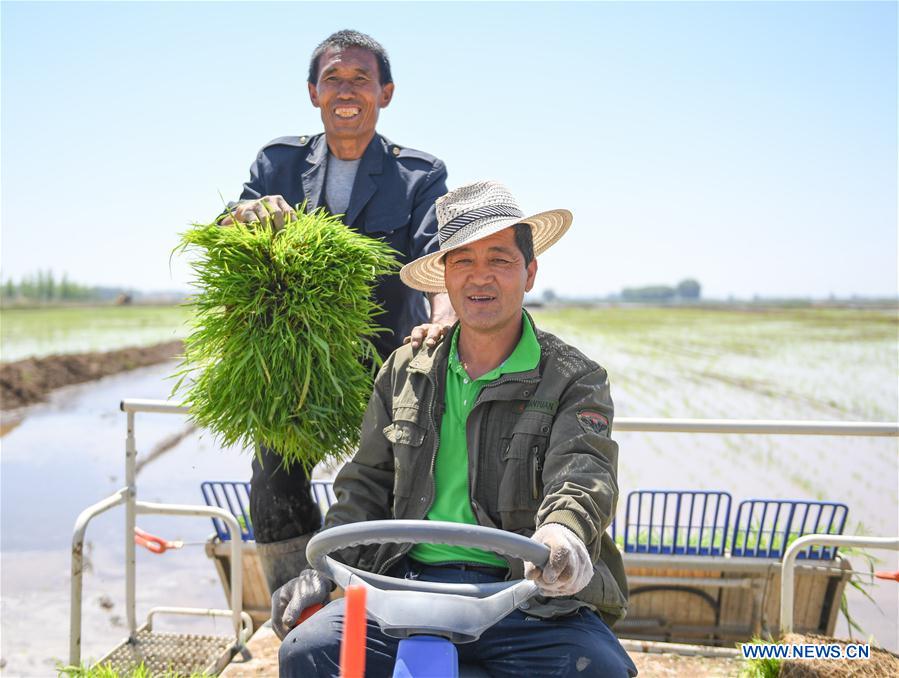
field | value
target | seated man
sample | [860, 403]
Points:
[500, 425]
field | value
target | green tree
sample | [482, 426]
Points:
[689, 289]
[650, 294]
[51, 286]
[9, 290]
[28, 288]
[65, 287]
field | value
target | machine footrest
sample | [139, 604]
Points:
[181, 653]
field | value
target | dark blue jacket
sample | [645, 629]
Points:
[392, 199]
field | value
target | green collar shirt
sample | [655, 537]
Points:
[452, 501]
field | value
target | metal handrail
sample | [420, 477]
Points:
[81, 524]
[246, 620]
[649, 424]
[158, 406]
[236, 550]
[758, 426]
[128, 496]
[789, 562]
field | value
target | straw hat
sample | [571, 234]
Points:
[474, 212]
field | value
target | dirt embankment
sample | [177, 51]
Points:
[28, 381]
[880, 663]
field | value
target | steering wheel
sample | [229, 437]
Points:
[406, 607]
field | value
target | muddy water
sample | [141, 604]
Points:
[69, 453]
[66, 455]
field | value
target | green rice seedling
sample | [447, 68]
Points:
[280, 353]
[860, 581]
[107, 671]
[760, 667]
[712, 537]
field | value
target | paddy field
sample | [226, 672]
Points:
[834, 364]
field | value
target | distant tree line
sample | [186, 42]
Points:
[43, 287]
[685, 290]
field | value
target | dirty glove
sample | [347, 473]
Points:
[568, 569]
[289, 601]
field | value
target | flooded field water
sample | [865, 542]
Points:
[34, 332]
[833, 365]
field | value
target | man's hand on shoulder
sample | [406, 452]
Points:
[429, 334]
[568, 569]
[442, 319]
[273, 209]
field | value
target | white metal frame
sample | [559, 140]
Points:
[887, 429]
[792, 552]
[647, 425]
[128, 496]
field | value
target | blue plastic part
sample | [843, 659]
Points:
[426, 657]
[764, 527]
[672, 522]
[234, 497]
[677, 522]
[323, 494]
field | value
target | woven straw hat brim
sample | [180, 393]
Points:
[426, 273]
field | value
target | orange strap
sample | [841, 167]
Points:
[887, 575]
[153, 543]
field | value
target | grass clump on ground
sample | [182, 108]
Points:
[282, 334]
[107, 671]
[760, 667]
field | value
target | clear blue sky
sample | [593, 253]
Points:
[752, 146]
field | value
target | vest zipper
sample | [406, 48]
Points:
[475, 507]
[536, 469]
[436, 444]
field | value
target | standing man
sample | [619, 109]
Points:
[383, 190]
[500, 425]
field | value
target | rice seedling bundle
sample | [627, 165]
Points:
[282, 334]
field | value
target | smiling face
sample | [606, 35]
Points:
[486, 282]
[349, 94]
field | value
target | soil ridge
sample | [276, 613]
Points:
[29, 381]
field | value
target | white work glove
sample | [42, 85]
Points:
[568, 569]
[289, 601]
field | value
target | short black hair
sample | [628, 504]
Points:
[349, 38]
[524, 238]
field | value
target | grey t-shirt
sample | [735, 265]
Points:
[339, 178]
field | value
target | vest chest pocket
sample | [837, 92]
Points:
[404, 433]
[406, 438]
[521, 486]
